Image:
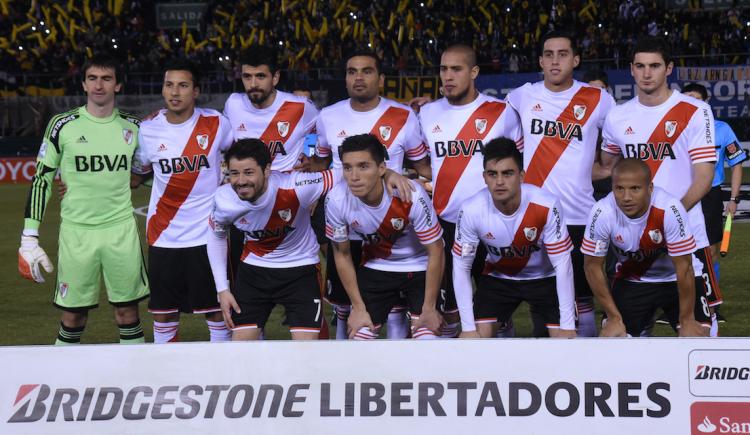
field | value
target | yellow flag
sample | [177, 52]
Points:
[87, 11]
[118, 8]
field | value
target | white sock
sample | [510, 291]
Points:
[423, 334]
[506, 329]
[342, 316]
[398, 324]
[449, 330]
[366, 334]
[165, 332]
[586, 317]
[218, 331]
[714, 332]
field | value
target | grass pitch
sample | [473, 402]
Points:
[28, 317]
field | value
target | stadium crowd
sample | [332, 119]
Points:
[52, 37]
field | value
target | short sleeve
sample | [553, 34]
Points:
[607, 103]
[609, 140]
[555, 236]
[226, 136]
[414, 142]
[596, 234]
[310, 186]
[701, 136]
[141, 160]
[323, 149]
[731, 148]
[423, 218]
[677, 234]
[337, 230]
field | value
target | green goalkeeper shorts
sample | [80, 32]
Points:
[86, 255]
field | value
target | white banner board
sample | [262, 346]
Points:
[582, 386]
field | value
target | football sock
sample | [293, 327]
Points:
[449, 330]
[68, 335]
[218, 331]
[506, 329]
[398, 324]
[165, 332]
[131, 333]
[586, 317]
[342, 315]
[366, 334]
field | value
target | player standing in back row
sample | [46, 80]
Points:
[182, 145]
[455, 128]
[561, 118]
[674, 134]
[92, 147]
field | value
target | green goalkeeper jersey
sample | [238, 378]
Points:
[94, 157]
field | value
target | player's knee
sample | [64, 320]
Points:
[215, 316]
[74, 319]
[126, 314]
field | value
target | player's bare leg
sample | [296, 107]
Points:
[217, 328]
[129, 324]
[304, 335]
[452, 323]
[72, 325]
[166, 327]
[487, 329]
[506, 329]
[246, 334]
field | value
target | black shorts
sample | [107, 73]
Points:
[496, 299]
[583, 290]
[335, 293]
[181, 281]
[381, 291]
[711, 288]
[318, 221]
[713, 211]
[638, 301]
[297, 289]
[448, 294]
[236, 245]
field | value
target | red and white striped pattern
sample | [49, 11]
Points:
[683, 247]
[367, 334]
[430, 235]
[166, 332]
[702, 154]
[588, 247]
[559, 247]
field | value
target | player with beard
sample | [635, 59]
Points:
[455, 128]
[674, 135]
[561, 120]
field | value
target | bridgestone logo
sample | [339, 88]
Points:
[40, 402]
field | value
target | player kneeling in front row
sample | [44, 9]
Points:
[280, 262]
[652, 240]
[528, 250]
[402, 244]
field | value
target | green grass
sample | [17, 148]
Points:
[28, 317]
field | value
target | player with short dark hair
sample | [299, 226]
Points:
[527, 245]
[181, 146]
[402, 249]
[674, 135]
[561, 119]
[653, 243]
[280, 262]
[92, 147]
[455, 129]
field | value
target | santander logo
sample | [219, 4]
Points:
[720, 418]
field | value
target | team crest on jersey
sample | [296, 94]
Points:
[670, 127]
[127, 134]
[286, 214]
[655, 236]
[397, 223]
[385, 132]
[202, 141]
[530, 233]
[481, 125]
[579, 111]
[283, 128]
[63, 289]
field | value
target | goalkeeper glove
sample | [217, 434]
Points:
[30, 257]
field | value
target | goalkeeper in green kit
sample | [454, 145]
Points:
[92, 146]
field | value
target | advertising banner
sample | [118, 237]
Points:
[612, 386]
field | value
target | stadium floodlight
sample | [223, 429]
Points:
[369, 45]
[114, 46]
[507, 9]
[20, 48]
[747, 24]
[666, 33]
[113, 40]
[41, 22]
[421, 4]
[514, 45]
[33, 28]
[46, 31]
[281, 42]
[431, 41]
[600, 25]
[176, 39]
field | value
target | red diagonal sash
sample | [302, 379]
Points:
[290, 112]
[284, 212]
[387, 232]
[180, 184]
[680, 113]
[535, 218]
[551, 148]
[453, 166]
[391, 121]
[633, 268]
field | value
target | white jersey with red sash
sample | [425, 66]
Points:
[455, 136]
[560, 133]
[186, 163]
[670, 138]
[282, 126]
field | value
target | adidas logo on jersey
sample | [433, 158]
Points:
[619, 239]
[342, 133]
[355, 224]
[241, 127]
[82, 139]
[437, 129]
[243, 221]
[537, 108]
[162, 147]
[489, 236]
[629, 130]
